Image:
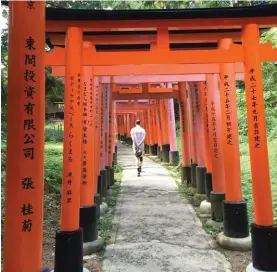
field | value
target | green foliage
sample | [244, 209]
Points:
[212, 230]
[53, 86]
[270, 36]
[105, 229]
[53, 133]
[53, 167]
[52, 181]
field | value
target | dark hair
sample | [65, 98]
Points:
[138, 122]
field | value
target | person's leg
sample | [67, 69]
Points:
[140, 162]
[138, 166]
[141, 157]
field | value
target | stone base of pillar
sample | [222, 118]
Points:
[130, 141]
[250, 268]
[235, 235]
[193, 174]
[186, 175]
[108, 168]
[173, 157]
[200, 179]
[115, 158]
[99, 187]
[217, 205]
[208, 185]
[197, 199]
[156, 149]
[97, 201]
[237, 244]
[160, 153]
[88, 221]
[69, 251]
[165, 153]
[235, 219]
[146, 149]
[264, 248]
[84, 270]
[93, 247]
[153, 150]
[103, 208]
[205, 209]
[112, 176]
[104, 188]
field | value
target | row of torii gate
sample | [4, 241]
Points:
[119, 66]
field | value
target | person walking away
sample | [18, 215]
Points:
[138, 136]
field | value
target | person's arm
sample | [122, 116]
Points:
[142, 139]
[133, 137]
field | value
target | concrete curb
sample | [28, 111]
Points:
[238, 244]
[93, 247]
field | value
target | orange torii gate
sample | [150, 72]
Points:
[23, 214]
[149, 119]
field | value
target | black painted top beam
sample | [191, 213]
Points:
[60, 14]
[203, 13]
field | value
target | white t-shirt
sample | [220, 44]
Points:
[137, 133]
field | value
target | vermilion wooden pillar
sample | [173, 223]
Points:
[215, 136]
[102, 127]
[106, 105]
[95, 176]
[234, 208]
[159, 128]
[150, 130]
[88, 210]
[115, 132]
[153, 147]
[125, 127]
[173, 154]
[110, 138]
[165, 136]
[192, 130]
[69, 240]
[146, 127]
[87, 135]
[205, 206]
[119, 118]
[184, 133]
[103, 171]
[97, 126]
[128, 128]
[200, 142]
[264, 234]
[25, 138]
